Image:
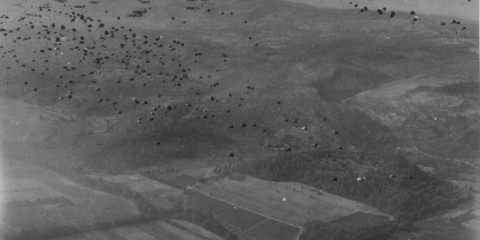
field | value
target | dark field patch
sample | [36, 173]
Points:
[227, 213]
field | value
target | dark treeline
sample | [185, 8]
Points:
[353, 227]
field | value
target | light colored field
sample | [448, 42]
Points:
[168, 171]
[141, 184]
[291, 202]
[177, 233]
[194, 228]
[181, 181]
[88, 206]
[474, 185]
[133, 233]
[95, 235]
[175, 230]
[87, 211]
[473, 224]
[233, 217]
[163, 195]
[273, 230]
[182, 165]
[454, 213]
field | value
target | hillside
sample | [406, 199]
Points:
[465, 9]
[192, 88]
[376, 103]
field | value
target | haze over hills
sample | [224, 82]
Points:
[146, 100]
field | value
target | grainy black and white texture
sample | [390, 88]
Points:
[239, 119]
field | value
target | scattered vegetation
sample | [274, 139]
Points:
[391, 184]
[355, 226]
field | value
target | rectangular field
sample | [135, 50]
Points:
[162, 195]
[290, 202]
[235, 217]
[195, 228]
[242, 221]
[164, 230]
[141, 184]
[181, 181]
[273, 230]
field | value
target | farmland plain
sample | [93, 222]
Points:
[162, 195]
[294, 203]
[97, 105]
[170, 230]
[85, 207]
[243, 221]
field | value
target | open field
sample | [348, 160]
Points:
[179, 174]
[87, 206]
[240, 220]
[291, 202]
[474, 185]
[273, 230]
[181, 181]
[139, 183]
[165, 230]
[194, 228]
[236, 217]
[162, 195]
[135, 91]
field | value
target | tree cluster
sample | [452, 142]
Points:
[358, 226]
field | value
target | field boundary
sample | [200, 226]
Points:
[248, 210]
[256, 225]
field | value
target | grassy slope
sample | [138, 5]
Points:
[314, 64]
